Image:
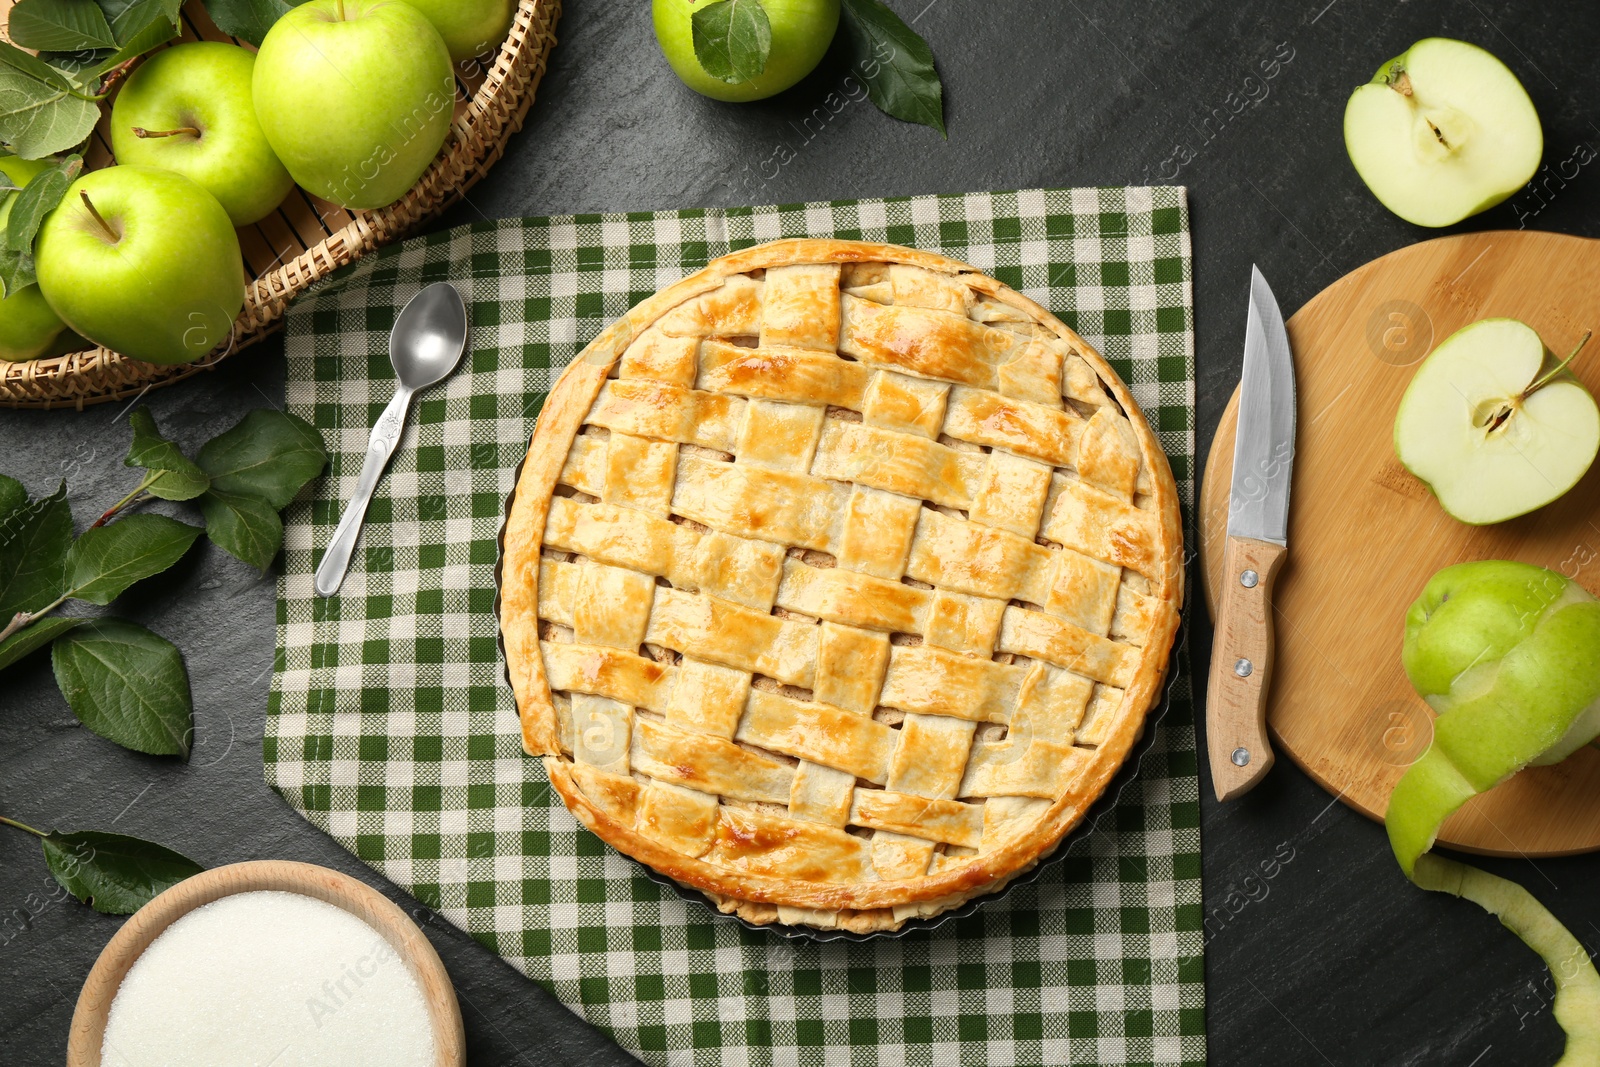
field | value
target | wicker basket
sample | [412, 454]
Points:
[307, 239]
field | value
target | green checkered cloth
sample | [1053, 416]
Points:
[391, 726]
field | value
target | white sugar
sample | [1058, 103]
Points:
[268, 978]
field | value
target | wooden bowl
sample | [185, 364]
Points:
[342, 891]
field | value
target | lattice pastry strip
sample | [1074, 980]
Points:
[1095, 523]
[684, 819]
[639, 474]
[851, 663]
[709, 765]
[779, 435]
[660, 358]
[907, 405]
[835, 577]
[800, 306]
[668, 413]
[821, 794]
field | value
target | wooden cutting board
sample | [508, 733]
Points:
[1365, 535]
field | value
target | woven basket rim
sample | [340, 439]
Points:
[477, 139]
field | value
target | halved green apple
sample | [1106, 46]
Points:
[1442, 132]
[1495, 424]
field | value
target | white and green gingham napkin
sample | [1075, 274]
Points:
[391, 726]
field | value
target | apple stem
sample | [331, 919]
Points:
[22, 826]
[111, 512]
[338, 9]
[1545, 379]
[115, 74]
[140, 131]
[104, 225]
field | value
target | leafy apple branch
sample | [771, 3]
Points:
[122, 681]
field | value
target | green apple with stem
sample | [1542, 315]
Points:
[1442, 131]
[144, 262]
[1508, 654]
[189, 109]
[469, 27]
[799, 32]
[356, 98]
[28, 328]
[1495, 424]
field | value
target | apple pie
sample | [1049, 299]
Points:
[837, 583]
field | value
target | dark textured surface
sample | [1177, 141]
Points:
[1319, 951]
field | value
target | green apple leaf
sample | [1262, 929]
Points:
[42, 111]
[13, 494]
[112, 873]
[246, 527]
[33, 637]
[33, 550]
[36, 200]
[269, 454]
[181, 478]
[127, 685]
[138, 25]
[83, 65]
[248, 20]
[895, 63]
[732, 39]
[105, 561]
[130, 19]
[16, 272]
[60, 25]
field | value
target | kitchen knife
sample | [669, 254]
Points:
[1258, 528]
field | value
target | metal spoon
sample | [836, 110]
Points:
[425, 345]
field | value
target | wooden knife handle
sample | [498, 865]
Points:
[1241, 667]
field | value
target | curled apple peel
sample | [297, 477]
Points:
[1508, 654]
[1577, 1001]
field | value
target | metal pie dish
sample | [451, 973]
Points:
[1085, 770]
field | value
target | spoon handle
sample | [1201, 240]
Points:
[380, 446]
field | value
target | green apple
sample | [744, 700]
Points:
[1508, 654]
[1495, 424]
[469, 27]
[356, 97]
[144, 262]
[22, 171]
[1442, 132]
[189, 109]
[801, 33]
[28, 328]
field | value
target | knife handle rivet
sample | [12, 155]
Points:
[1249, 579]
[1243, 668]
[1240, 757]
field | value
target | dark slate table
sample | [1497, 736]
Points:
[1318, 950]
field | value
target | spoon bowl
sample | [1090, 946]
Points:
[429, 336]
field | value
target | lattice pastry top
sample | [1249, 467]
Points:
[837, 582]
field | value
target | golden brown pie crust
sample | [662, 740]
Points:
[717, 535]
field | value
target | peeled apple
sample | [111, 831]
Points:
[1508, 654]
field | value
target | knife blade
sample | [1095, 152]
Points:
[1258, 532]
